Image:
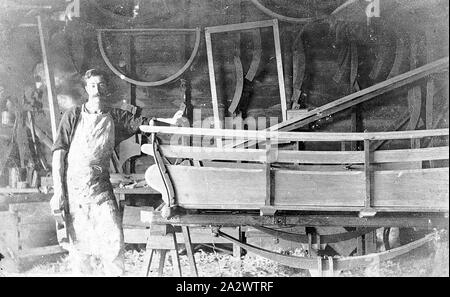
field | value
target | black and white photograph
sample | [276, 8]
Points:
[224, 147]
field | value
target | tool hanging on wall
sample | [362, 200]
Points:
[24, 168]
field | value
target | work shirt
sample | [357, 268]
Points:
[126, 125]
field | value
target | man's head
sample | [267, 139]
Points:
[96, 83]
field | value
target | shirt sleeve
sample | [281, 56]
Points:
[64, 131]
[127, 124]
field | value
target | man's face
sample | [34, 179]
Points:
[96, 87]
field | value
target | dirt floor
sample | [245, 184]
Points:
[429, 260]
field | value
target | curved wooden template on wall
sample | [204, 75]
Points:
[414, 93]
[284, 18]
[256, 59]
[344, 5]
[239, 85]
[382, 55]
[145, 83]
[400, 53]
[354, 85]
[299, 66]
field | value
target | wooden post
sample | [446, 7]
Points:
[52, 101]
[189, 249]
[368, 177]
[276, 37]
[212, 80]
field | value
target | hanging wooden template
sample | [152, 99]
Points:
[148, 31]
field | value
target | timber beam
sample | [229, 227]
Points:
[426, 221]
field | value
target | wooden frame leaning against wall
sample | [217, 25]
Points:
[241, 27]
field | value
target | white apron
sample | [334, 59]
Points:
[95, 215]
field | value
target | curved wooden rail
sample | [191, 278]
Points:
[239, 85]
[295, 136]
[145, 83]
[284, 18]
[344, 5]
[256, 58]
[400, 54]
[344, 263]
[305, 157]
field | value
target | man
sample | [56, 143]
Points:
[86, 138]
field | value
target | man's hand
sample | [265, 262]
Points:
[57, 202]
[178, 115]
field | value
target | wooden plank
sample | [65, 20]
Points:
[276, 37]
[52, 102]
[33, 213]
[239, 27]
[368, 174]
[9, 235]
[218, 186]
[426, 188]
[411, 155]
[222, 188]
[262, 135]
[138, 236]
[361, 96]
[212, 81]
[189, 249]
[132, 216]
[37, 235]
[42, 251]
[207, 153]
[320, 157]
[365, 94]
[307, 157]
[426, 221]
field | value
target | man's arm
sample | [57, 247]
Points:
[59, 180]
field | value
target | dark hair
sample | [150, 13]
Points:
[95, 72]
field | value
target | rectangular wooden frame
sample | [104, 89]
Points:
[241, 27]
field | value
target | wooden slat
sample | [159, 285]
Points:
[212, 81]
[305, 157]
[204, 235]
[411, 155]
[276, 37]
[50, 83]
[366, 94]
[207, 153]
[42, 251]
[239, 27]
[294, 136]
[360, 96]
[320, 157]
[368, 174]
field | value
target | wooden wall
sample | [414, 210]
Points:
[74, 49]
